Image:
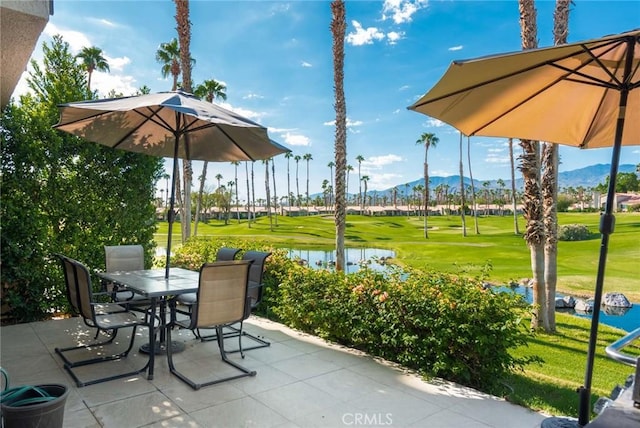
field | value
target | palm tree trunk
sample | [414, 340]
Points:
[275, 194]
[203, 178]
[530, 167]
[338, 28]
[514, 194]
[184, 36]
[550, 187]
[268, 193]
[426, 190]
[462, 201]
[473, 188]
[253, 193]
[246, 171]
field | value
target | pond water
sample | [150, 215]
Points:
[356, 258]
[627, 319]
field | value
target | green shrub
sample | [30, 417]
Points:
[573, 232]
[438, 324]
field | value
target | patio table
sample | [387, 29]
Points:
[152, 284]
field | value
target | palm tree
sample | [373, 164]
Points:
[275, 194]
[288, 156]
[364, 179]
[308, 158]
[338, 29]
[473, 188]
[514, 199]
[235, 167]
[253, 191]
[168, 55]
[360, 159]
[530, 167]
[199, 199]
[550, 188]
[92, 60]
[209, 90]
[183, 25]
[349, 169]
[429, 140]
[500, 183]
[331, 165]
[246, 171]
[218, 178]
[462, 201]
[267, 192]
[297, 159]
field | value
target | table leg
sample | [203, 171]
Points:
[152, 337]
[160, 347]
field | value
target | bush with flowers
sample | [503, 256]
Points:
[439, 324]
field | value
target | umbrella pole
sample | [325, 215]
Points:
[607, 224]
[171, 213]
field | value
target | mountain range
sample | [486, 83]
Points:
[586, 177]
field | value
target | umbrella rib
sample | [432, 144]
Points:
[582, 47]
[235, 144]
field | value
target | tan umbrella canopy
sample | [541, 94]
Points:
[584, 94]
[169, 124]
[568, 94]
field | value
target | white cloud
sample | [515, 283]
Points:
[250, 114]
[401, 11]
[117, 64]
[280, 130]
[363, 36]
[404, 87]
[306, 64]
[251, 96]
[394, 36]
[495, 158]
[377, 162]
[107, 82]
[350, 123]
[102, 22]
[76, 39]
[295, 139]
[455, 48]
[434, 123]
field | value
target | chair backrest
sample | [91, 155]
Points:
[83, 287]
[226, 254]
[70, 283]
[124, 257]
[222, 293]
[256, 288]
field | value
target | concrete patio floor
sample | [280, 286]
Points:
[301, 381]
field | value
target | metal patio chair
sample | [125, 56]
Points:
[107, 317]
[221, 301]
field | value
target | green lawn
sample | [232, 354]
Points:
[447, 250]
[549, 386]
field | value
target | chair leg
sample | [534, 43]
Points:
[262, 342]
[69, 365]
[195, 385]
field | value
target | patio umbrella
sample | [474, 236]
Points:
[584, 94]
[169, 124]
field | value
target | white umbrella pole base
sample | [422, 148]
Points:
[161, 347]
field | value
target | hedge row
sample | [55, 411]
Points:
[438, 324]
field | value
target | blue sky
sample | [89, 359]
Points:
[276, 60]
